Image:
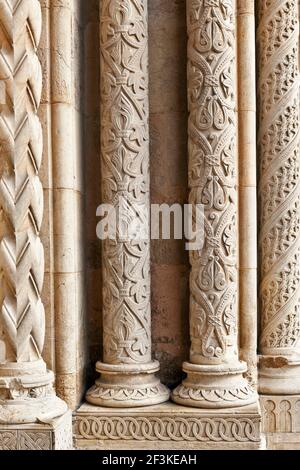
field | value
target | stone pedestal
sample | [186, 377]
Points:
[167, 426]
[56, 435]
[281, 421]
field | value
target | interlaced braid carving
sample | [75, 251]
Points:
[21, 207]
[168, 429]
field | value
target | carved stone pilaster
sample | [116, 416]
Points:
[26, 390]
[127, 372]
[214, 373]
[279, 191]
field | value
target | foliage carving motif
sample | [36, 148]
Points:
[125, 174]
[212, 177]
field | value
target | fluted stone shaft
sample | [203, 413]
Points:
[26, 390]
[279, 192]
[215, 374]
[127, 370]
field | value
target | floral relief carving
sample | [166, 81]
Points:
[125, 184]
[125, 173]
[212, 177]
[214, 373]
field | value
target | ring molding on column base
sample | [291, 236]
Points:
[126, 385]
[215, 386]
[279, 375]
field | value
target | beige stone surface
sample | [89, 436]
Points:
[167, 426]
[215, 376]
[127, 371]
[168, 183]
[246, 74]
[57, 435]
[279, 193]
[54, 283]
[281, 421]
[26, 386]
[62, 173]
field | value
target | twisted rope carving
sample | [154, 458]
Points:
[280, 179]
[21, 196]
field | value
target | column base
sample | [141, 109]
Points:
[56, 435]
[122, 386]
[278, 376]
[32, 410]
[27, 394]
[214, 387]
[167, 427]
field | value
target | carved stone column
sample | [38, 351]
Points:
[127, 371]
[214, 373]
[279, 191]
[26, 386]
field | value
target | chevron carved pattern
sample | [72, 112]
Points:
[21, 196]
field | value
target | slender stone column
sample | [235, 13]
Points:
[247, 186]
[214, 373]
[279, 192]
[26, 386]
[127, 371]
[67, 191]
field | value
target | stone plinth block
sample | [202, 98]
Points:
[167, 426]
[56, 435]
[281, 421]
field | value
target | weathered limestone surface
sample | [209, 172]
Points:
[26, 386]
[127, 371]
[215, 374]
[279, 192]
